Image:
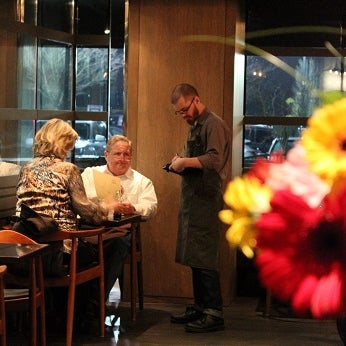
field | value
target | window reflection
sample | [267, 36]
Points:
[26, 72]
[54, 75]
[90, 147]
[116, 116]
[91, 78]
[261, 141]
[44, 76]
[16, 141]
[273, 92]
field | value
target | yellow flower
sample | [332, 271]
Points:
[324, 141]
[248, 199]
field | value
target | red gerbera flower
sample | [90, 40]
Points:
[261, 167]
[301, 254]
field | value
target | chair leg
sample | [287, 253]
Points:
[70, 313]
[140, 284]
[71, 294]
[3, 330]
[102, 307]
[3, 334]
[42, 301]
[133, 288]
[33, 301]
[121, 281]
[135, 276]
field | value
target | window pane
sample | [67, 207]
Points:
[98, 11]
[294, 13]
[264, 140]
[26, 72]
[54, 76]
[258, 136]
[116, 92]
[91, 79]
[90, 147]
[118, 23]
[270, 91]
[16, 141]
[57, 15]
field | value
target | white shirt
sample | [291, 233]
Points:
[138, 189]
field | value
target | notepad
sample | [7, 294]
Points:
[106, 185]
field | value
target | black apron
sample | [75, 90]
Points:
[201, 199]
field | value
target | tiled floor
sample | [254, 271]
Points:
[243, 326]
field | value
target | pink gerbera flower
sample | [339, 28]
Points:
[292, 174]
[301, 254]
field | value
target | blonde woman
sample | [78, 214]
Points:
[50, 185]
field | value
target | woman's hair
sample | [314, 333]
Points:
[56, 137]
[117, 138]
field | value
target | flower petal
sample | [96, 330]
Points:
[326, 300]
[301, 301]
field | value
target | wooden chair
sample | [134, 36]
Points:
[74, 277]
[32, 298]
[3, 269]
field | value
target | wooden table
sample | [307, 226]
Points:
[134, 221]
[16, 253]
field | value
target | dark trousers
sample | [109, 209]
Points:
[87, 294]
[207, 289]
[115, 251]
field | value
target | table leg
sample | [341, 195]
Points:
[33, 302]
[133, 269]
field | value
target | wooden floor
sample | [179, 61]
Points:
[243, 326]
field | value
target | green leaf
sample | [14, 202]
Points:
[331, 96]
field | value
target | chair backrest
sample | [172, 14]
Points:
[9, 236]
[74, 278]
[30, 295]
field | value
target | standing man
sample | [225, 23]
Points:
[203, 165]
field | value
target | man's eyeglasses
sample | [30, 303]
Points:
[185, 109]
[124, 156]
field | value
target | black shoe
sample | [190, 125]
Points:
[190, 314]
[207, 323]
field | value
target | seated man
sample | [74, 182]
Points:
[138, 191]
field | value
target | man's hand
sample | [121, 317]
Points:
[125, 208]
[177, 164]
[118, 207]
